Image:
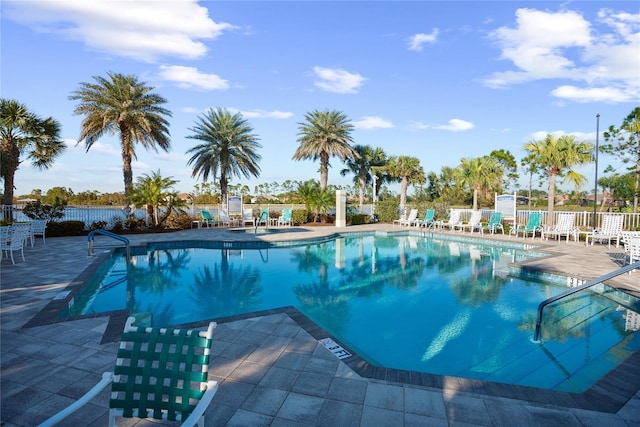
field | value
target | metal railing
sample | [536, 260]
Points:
[597, 281]
[90, 240]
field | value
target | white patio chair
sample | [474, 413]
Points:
[14, 241]
[39, 228]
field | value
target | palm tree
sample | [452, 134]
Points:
[555, 157]
[323, 135]
[155, 191]
[227, 147]
[479, 173]
[362, 167]
[23, 133]
[122, 105]
[406, 170]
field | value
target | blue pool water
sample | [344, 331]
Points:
[406, 302]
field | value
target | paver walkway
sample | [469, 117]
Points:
[272, 369]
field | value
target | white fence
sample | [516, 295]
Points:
[584, 219]
[90, 214]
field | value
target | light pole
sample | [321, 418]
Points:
[373, 196]
[595, 188]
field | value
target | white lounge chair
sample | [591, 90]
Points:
[473, 223]
[410, 220]
[247, 217]
[453, 221]
[611, 230]
[564, 227]
[225, 219]
[632, 249]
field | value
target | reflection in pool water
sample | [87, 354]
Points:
[405, 302]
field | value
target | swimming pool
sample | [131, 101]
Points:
[441, 306]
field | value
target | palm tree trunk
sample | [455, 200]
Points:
[551, 201]
[403, 193]
[363, 183]
[11, 162]
[324, 170]
[127, 173]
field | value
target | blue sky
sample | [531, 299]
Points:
[438, 80]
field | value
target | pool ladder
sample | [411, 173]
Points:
[266, 221]
[597, 281]
[90, 238]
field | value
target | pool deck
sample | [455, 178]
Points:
[271, 368]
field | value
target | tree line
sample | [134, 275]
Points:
[226, 147]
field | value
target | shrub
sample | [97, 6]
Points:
[358, 219]
[179, 221]
[98, 225]
[36, 210]
[65, 228]
[299, 216]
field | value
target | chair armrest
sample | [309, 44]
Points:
[198, 412]
[107, 378]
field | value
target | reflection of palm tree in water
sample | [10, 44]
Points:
[160, 274]
[481, 288]
[225, 289]
[565, 319]
[320, 298]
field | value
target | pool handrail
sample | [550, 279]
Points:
[266, 220]
[626, 269]
[90, 239]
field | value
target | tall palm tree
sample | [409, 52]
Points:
[323, 135]
[362, 166]
[23, 133]
[406, 170]
[227, 147]
[122, 105]
[479, 173]
[555, 157]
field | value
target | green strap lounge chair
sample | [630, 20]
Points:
[494, 224]
[428, 220]
[533, 225]
[160, 373]
[286, 217]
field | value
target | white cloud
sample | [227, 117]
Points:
[96, 147]
[602, 94]
[417, 41]
[337, 80]
[190, 77]
[143, 30]
[260, 114]
[372, 122]
[601, 59]
[456, 125]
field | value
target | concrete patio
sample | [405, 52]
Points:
[272, 369]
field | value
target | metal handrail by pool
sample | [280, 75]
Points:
[90, 239]
[611, 275]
